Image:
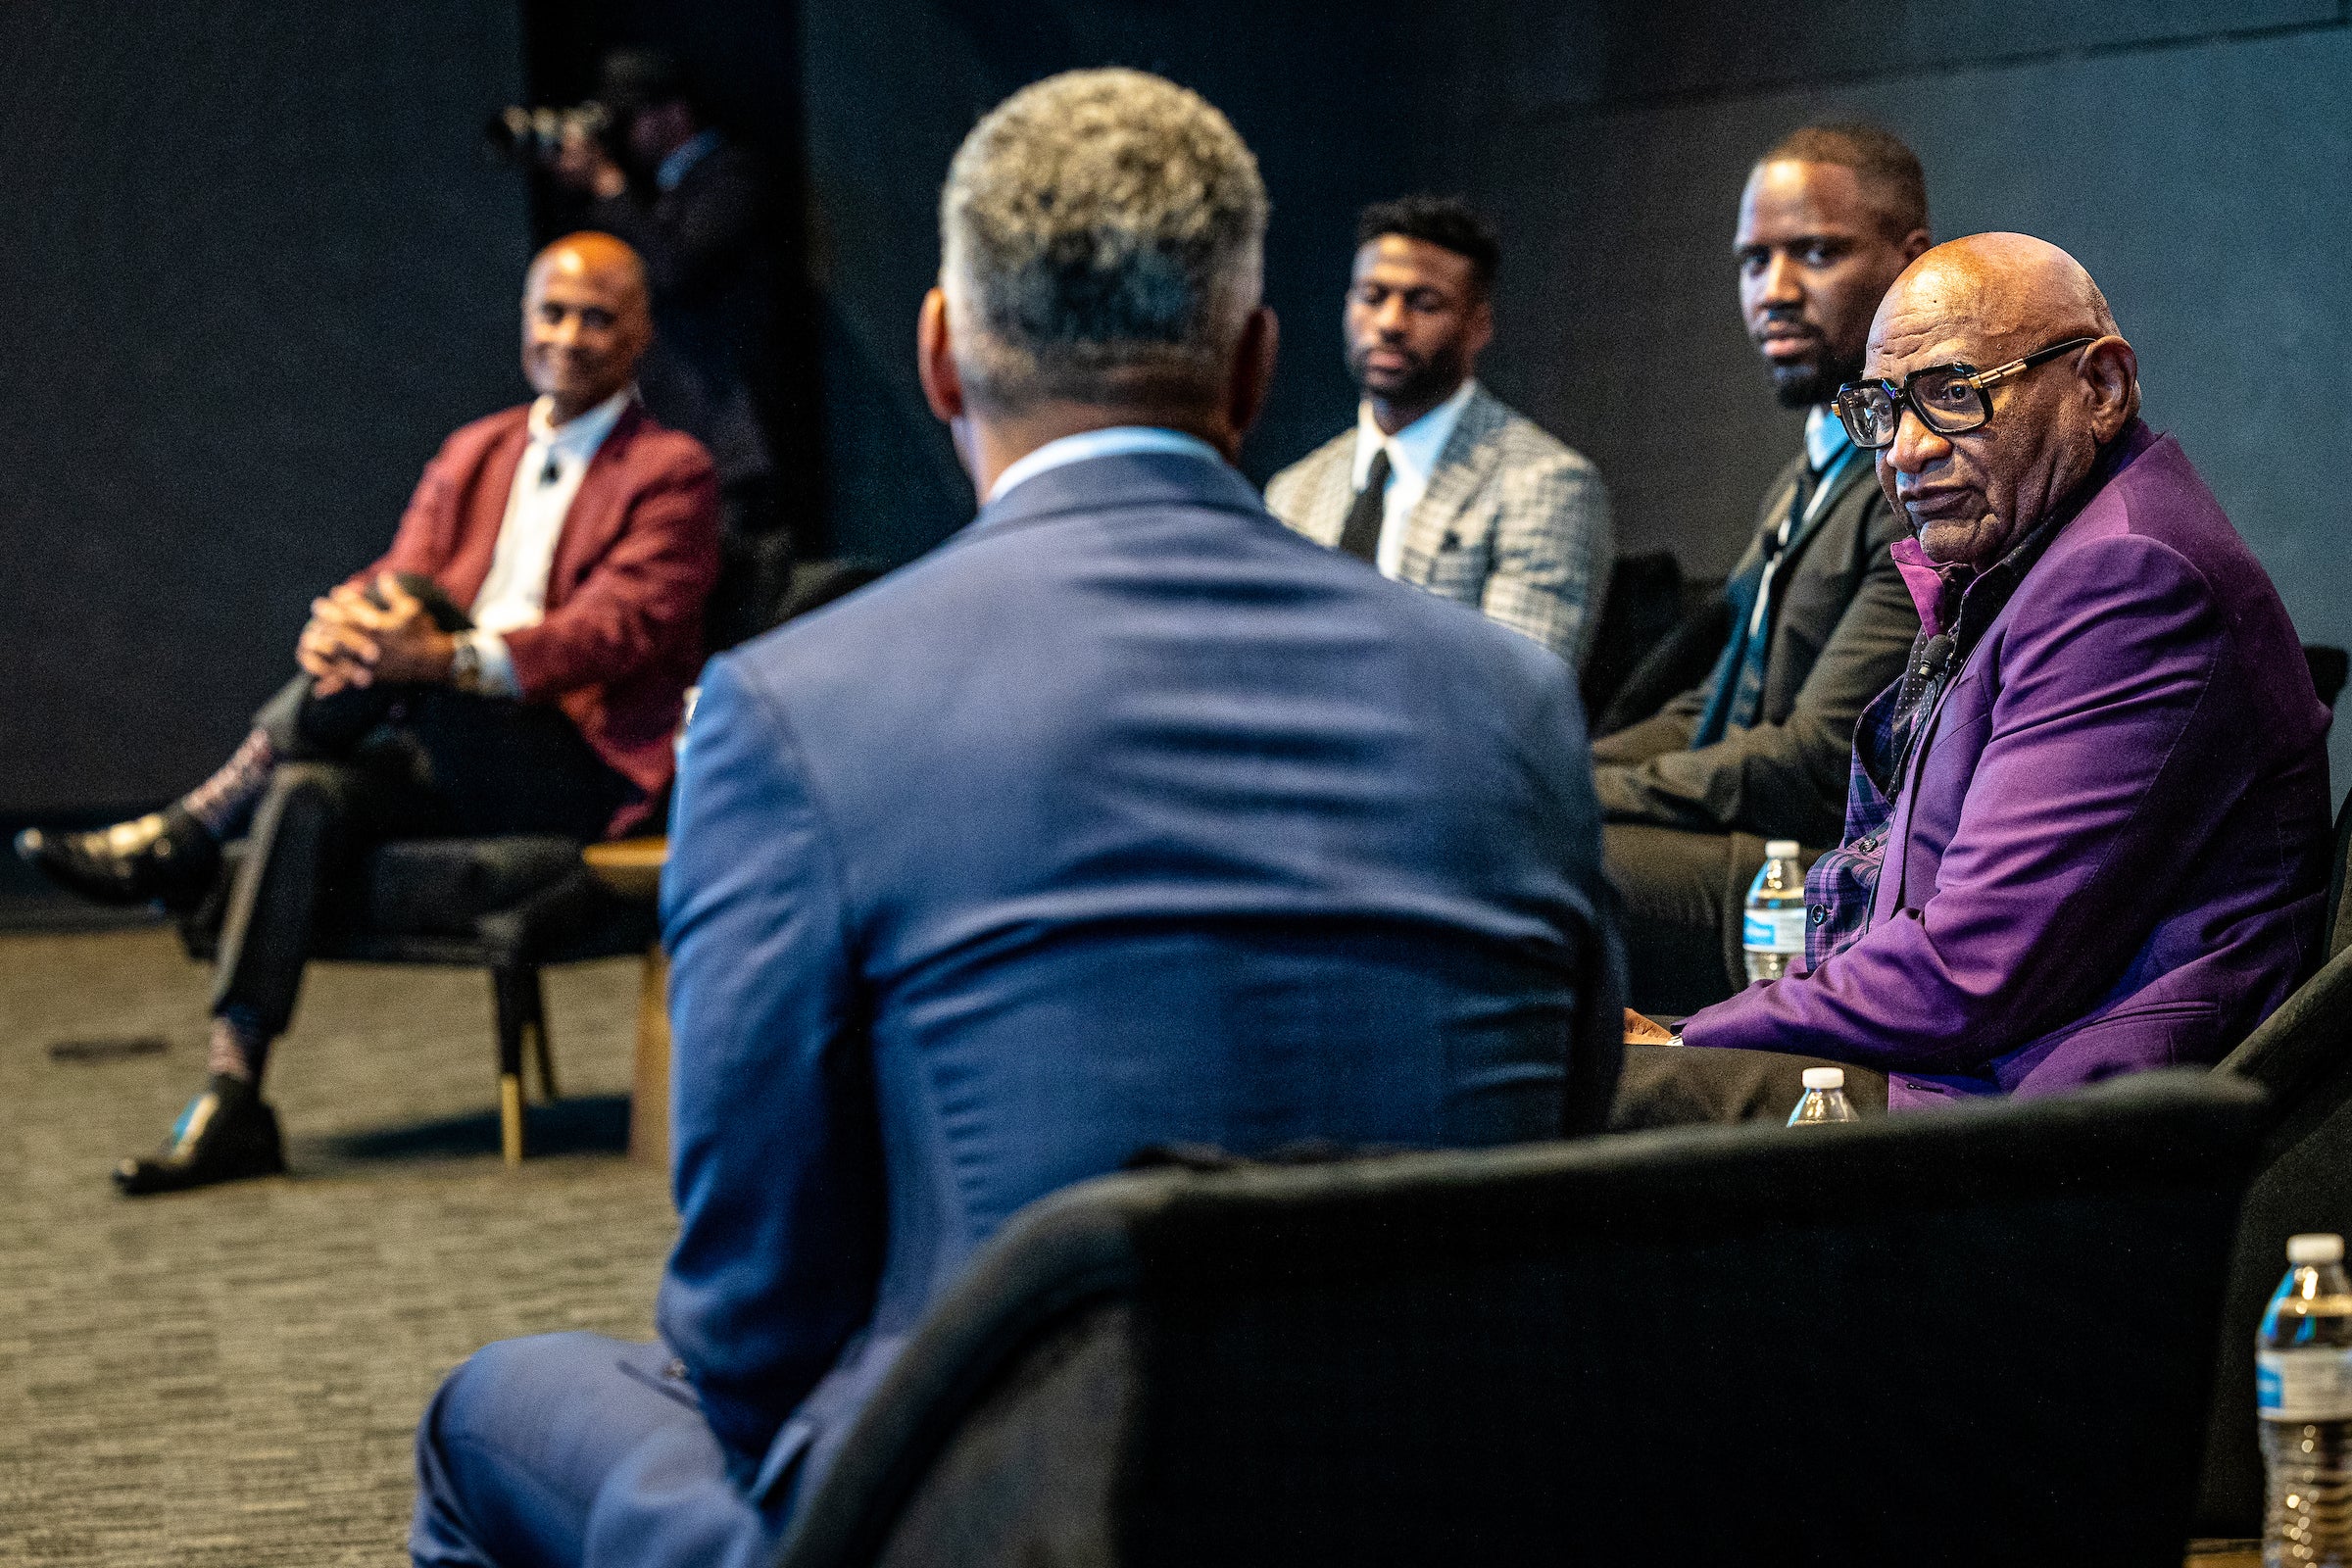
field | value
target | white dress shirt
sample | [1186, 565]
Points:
[1824, 436]
[554, 459]
[1115, 440]
[1413, 454]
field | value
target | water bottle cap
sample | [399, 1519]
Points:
[2317, 1248]
[1835, 1078]
[1780, 849]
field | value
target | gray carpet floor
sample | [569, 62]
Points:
[231, 1377]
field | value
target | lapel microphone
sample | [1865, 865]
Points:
[552, 472]
[1933, 657]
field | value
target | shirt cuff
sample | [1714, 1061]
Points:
[497, 664]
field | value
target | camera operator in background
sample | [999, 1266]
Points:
[694, 203]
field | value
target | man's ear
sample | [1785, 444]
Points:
[1482, 331]
[1252, 375]
[1916, 244]
[935, 357]
[2111, 369]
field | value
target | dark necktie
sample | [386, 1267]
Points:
[1360, 538]
[1735, 695]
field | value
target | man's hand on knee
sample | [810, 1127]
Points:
[332, 650]
[357, 639]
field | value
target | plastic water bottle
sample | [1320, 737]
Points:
[2303, 1387]
[1825, 1098]
[1773, 931]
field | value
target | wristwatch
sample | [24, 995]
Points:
[465, 666]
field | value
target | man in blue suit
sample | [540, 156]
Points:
[1128, 816]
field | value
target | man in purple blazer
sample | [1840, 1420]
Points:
[2087, 832]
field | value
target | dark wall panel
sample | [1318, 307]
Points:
[255, 270]
[1326, 96]
[1579, 55]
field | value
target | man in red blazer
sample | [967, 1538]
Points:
[516, 662]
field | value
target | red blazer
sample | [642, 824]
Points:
[622, 638]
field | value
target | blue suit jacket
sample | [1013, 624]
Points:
[1126, 817]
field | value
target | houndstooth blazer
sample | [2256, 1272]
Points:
[1514, 523]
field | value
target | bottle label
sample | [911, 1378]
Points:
[1774, 931]
[2314, 1385]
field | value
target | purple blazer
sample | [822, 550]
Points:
[2110, 850]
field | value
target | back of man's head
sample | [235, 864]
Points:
[1882, 160]
[1102, 236]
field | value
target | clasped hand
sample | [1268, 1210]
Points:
[352, 640]
[1640, 1030]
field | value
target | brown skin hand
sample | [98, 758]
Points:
[1985, 301]
[990, 440]
[586, 322]
[1640, 1030]
[1415, 326]
[350, 642]
[1815, 259]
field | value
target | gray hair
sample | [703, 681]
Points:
[1103, 236]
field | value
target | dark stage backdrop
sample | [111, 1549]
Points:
[255, 269]
[1326, 94]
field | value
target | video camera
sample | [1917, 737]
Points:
[531, 136]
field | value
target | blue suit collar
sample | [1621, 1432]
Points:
[1121, 479]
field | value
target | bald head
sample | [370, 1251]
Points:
[1984, 302]
[2008, 288]
[586, 322]
[593, 254]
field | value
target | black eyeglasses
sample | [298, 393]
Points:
[1948, 398]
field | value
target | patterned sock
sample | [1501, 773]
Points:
[221, 803]
[240, 1048]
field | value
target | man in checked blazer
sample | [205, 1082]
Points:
[1472, 501]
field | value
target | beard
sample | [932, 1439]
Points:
[1808, 385]
[1424, 381]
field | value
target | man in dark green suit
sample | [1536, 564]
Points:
[1818, 619]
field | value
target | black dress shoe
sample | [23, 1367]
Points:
[166, 855]
[226, 1134]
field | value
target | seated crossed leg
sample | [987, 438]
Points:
[330, 766]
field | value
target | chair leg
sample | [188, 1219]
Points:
[649, 1099]
[510, 991]
[543, 1049]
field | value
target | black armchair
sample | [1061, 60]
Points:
[512, 905]
[1970, 1338]
[2301, 1055]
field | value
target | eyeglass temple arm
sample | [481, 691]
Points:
[2002, 373]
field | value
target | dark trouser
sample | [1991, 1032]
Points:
[1679, 1086]
[368, 764]
[1684, 893]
